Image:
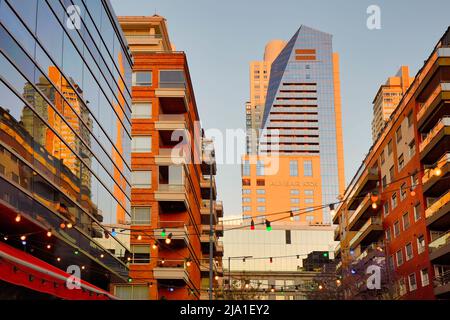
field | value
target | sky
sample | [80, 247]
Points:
[220, 38]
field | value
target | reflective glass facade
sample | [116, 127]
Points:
[65, 134]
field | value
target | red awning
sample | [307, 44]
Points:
[23, 269]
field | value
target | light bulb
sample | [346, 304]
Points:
[49, 233]
[374, 205]
[437, 172]
[23, 238]
[18, 218]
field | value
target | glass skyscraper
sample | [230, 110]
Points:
[65, 135]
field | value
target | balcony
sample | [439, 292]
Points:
[180, 234]
[361, 214]
[171, 270]
[208, 157]
[437, 217]
[436, 185]
[440, 249]
[435, 142]
[205, 185]
[171, 156]
[205, 212]
[173, 97]
[219, 208]
[337, 251]
[369, 232]
[372, 250]
[171, 122]
[337, 233]
[363, 184]
[145, 42]
[172, 193]
[434, 107]
[218, 228]
[442, 283]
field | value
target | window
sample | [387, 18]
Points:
[382, 159]
[403, 189]
[412, 148]
[410, 119]
[261, 209]
[384, 182]
[309, 200]
[388, 234]
[309, 192]
[295, 200]
[141, 144]
[141, 179]
[142, 78]
[171, 79]
[261, 199]
[420, 244]
[309, 218]
[424, 277]
[389, 147]
[288, 236]
[140, 215]
[412, 282]
[399, 256]
[391, 174]
[416, 212]
[414, 181]
[140, 253]
[132, 292]
[307, 168]
[141, 110]
[293, 168]
[398, 134]
[246, 168]
[409, 251]
[402, 286]
[260, 182]
[246, 191]
[260, 191]
[246, 208]
[246, 200]
[386, 208]
[394, 201]
[246, 182]
[259, 168]
[295, 191]
[401, 162]
[396, 229]
[406, 221]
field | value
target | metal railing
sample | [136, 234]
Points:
[171, 117]
[442, 201]
[445, 121]
[172, 85]
[424, 106]
[175, 264]
[428, 173]
[442, 279]
[440, 242]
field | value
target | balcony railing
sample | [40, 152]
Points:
[445, 121]
[436, 206]
[428, 173]
[372, 221]
[371, 248]
[424, 107]
[171, 117]
[172, 85]
[442, 279]
[440, 242]
[358, 209]
[171, 187]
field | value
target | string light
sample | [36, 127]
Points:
[106, 234]
[163, 261]
[353, 271]
[49, 246]
[163, 233]
[49, 233]
[412, 192]
[188, 263]
[252, 225]
[130, 280]
[139, 237]
[102, 255]
[62, 225]
[338, 282]
[291, 216]
[113, 232]
[18, 218]
[437, 171]
[332, 211]
[217, 278]
[23, 238]
[320, 287]
[271, 260]
[5, 238]
[325, 254]
[83, 267]
[154, 246]
[58, 259]
[69, 225]
[24, 242]
[272, 289]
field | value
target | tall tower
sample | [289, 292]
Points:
[387, 99]
[302, 125]
[259, 82]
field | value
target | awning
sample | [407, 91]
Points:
[23, 269]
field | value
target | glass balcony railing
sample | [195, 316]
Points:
[436, 206]
[428, 173]
[440, 242]
[372, 221]
[445, 121]
[424, 107]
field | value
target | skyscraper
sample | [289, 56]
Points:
[65, 134]
[302, 132]
[387, 98]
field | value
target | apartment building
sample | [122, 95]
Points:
[173, 173]
[397, 203]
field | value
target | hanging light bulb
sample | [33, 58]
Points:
[102, 256]
[412, 192]
[332, 211]
[338, 282]
[188, 263]
[320, 287]
[298, 257]
[246, 285]
[5, 238]
[106, 233]
[69, 225]
[271, 260]
[49, 233]
[83, 267]
[139, 237]
[49, 246]
[272, 289]
[243, 260]
[18, 218]
[217, 278]
[154, 246]
[437, 171]
[163, 261]
[24, 242]
[169, 238]
[113, 232]
[374, 196]
[23, 238]
[252, 225]
[291, 216]
[58, 259]
[374, 205]
[163, 233]
[62, 225]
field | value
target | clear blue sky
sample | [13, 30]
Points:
[220, 38]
